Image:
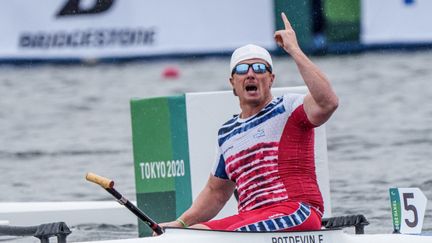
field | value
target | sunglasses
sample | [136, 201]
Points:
[257, 67]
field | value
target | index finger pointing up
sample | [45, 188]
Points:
[286, 22]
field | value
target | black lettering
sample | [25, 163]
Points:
[311, 239]
[304, 239]
[24, 40]
[59, 40]
[126, 37]
[100, 38]
[280, 239]
[72, 39]
[410, 207]
[149, 37]
[85, 39]
[73, 7]
[46, 41]
[112, 37]
[320, 238]
[38, 41]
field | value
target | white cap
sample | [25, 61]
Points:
[250, 51]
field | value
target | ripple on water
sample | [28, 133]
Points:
[102, 232]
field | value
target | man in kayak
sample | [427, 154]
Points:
[267, 151]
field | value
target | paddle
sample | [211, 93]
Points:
[108, 185]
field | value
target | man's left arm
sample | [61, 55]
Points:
[321, 101]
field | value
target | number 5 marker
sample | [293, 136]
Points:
[408, 209]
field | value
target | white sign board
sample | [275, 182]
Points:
[81, 29]
[396, 21]
[408, 209]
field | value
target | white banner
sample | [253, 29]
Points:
[396, 21]
[132, 28]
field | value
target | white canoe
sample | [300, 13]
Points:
[73, 213]
[176, 235]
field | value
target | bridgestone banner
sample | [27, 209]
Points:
[46, 29]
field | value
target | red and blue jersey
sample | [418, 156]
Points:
[270, 156]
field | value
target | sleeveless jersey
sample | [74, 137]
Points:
[270, 156]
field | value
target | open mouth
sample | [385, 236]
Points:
[251, 88]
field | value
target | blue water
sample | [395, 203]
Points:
[59, 122]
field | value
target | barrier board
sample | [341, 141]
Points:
[396, 21]
[174, 144]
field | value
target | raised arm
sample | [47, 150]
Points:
[321, 101]
[208, 203]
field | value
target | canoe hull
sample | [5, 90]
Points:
[322, 236]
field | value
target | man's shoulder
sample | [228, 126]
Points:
[292, 95]
[228, 123]
[232, 120]
[290, 99]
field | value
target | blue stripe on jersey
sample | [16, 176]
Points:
[270, 225]
[226, 129]
[261, 226]
[288, 221]
[303, 212]
[279, 223]
[220, 169]
[301, 215]
[242, 229]
[282, 223]
[305, 209]
[231, 121]
[254, 122]
[295, 219]
[251, 227]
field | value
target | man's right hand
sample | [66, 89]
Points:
[286, 38]
[174, 224]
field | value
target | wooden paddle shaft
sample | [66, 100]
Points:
[140, 214]
[108, 185]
